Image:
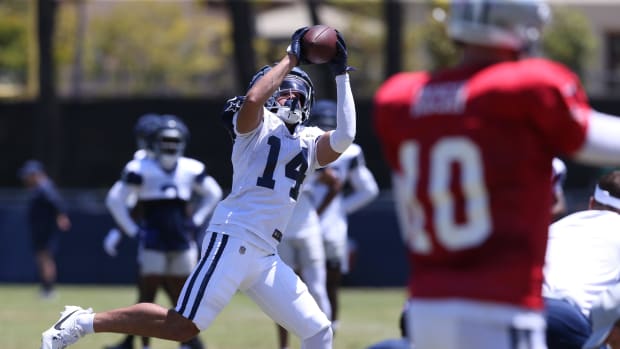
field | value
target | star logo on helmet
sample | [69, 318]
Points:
[234, 104]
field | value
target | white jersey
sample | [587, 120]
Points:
[156, 184]
[304, 221]
[269, 167]
[163, 197]
[583, 257]
[350, 166]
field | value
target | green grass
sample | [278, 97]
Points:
[367, 315]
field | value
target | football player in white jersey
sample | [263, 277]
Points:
[272, 154]
[302, 249]
[163, 181]
[350, 168]
[144, 130]
[582, 260]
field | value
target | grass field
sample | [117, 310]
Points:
[367, 315]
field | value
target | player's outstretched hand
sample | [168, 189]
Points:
[294, 48]
[111, 240]
[338, 64]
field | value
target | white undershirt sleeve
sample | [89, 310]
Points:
[117, 202]
[602, 144]
[344, 134]
[211, 193]
[365, 189]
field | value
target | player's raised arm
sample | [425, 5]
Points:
[251, 112]
[334, 143]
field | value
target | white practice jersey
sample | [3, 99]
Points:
[269, 167]
[350, 166]
[163, 197]
[156, 184]
[583, 257]
[304, 220]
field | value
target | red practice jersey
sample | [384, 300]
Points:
[473, 149]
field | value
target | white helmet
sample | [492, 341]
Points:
[511, 24]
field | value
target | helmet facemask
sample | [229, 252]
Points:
[169, 147]
[296, 108]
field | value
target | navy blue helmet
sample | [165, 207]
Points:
[173, 121]
[145, 129]
[299, 82]
[170, 140]
[323, 115]
[296, 81]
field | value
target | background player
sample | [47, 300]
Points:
[472, 147]
[302, 249]
[349, 169]
[271, 156]
[144, 131]
[571, 285]
[47, 214]
[605, 321]
[163, 183]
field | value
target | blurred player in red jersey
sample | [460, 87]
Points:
[471, 149]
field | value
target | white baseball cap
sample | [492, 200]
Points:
[604, 314]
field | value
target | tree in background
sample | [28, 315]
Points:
[365, 42]
[570, 39]
[14, 43]
[148, 48]
[435, 40]
[104, 48]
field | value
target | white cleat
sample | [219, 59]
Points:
[65, 331]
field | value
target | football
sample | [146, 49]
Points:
[319, 44]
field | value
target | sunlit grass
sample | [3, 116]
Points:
[367, 315]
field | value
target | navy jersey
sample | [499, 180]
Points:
[44, 206]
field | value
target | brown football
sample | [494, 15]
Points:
[319, 44]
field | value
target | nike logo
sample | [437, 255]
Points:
[57, 325]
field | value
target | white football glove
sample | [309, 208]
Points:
[111, 240]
